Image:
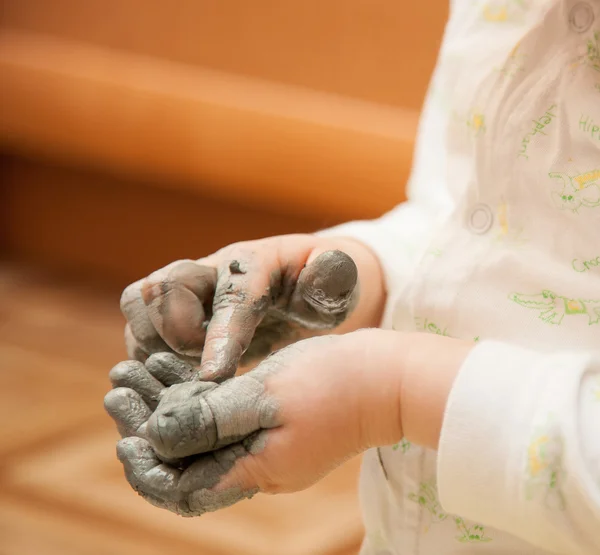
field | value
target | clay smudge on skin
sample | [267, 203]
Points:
[299, 300]
[240, 414]
[274, 329]
[234, 267]
[127, 408]
[326, 291]
[170, 369]
[320, 298]
[187, 492]
[198, 417]
[134, 375]
[317, 297]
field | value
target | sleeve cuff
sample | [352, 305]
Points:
[487, 428]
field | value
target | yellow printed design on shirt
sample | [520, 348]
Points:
[477, 123]
[577, 191]
[515, 63]
[503, 11]
[544, 473]
[596, 391]
[510, 237]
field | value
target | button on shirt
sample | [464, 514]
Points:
[499, 243]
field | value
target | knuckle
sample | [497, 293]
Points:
[229, 295]
[270, 486]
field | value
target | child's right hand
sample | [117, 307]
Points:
[250, 297]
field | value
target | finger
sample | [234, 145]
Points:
[185, 493]
[197, 417]
[179, 304]
[169, 369]
[133, 374]
[183, 422]
[139, 324]
[242, 297]
[127, 409]
[136, 313]
[134, 350]
[157, 482]
[199, 479]
[326, 291]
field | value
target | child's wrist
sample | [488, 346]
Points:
[431, 365]
[403, 380]
[377, 373]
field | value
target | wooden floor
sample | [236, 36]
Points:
[61, 489]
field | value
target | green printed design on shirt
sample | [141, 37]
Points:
[423, 324]
[404, 445]
[435, 252]
[427, 326]
[553, 308]
[591, 56]
[427, 498]
[591, 128]
[582, 190]
[544, 472]
[377, 540]
[539, 127]
[470, 534]
[515, 63]
[593, 51]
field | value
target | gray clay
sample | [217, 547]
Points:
[234, 268]
[185, 492]
[184, 429]
[171, 310]
[201, 428]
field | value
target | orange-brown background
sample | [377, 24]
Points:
[133, 133]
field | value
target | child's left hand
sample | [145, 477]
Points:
[279, 428]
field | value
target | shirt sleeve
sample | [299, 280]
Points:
[402, 236]
[520, 446]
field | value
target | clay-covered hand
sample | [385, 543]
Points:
[242, 301]
[278, 428]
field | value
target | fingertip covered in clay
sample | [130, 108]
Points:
[128, 410]
[170, 369]
[326, 292]
[134, 375]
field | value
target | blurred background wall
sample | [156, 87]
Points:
[134, 133]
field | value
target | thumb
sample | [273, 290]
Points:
[246, 471]
[197, 417]
[326, 291]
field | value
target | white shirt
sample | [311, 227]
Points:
[500, 242]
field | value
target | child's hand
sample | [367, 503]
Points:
[249, 297]
[279, 428]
